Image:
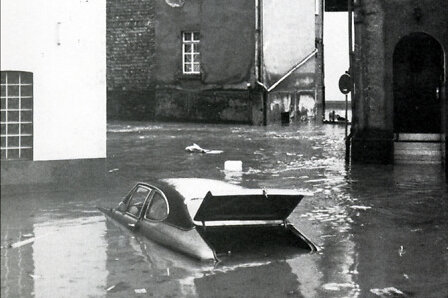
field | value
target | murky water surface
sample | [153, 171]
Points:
[382, 229]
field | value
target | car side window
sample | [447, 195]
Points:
[158, 208]
[137, 200]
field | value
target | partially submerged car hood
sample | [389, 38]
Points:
[251, 204]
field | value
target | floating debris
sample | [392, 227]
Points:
[401, 251]
[359, 207]
[326, 236]
[389, 291]
[140, 291]
[110, 288]
[121, 286]
[233, 165]
[195, 148]
[35, 276]
[332, 286]
[175, 3]
[22, 243]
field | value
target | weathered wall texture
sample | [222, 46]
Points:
[208, 105]
[227, 61]
[379, 26]
[289, 36]
[130, 58]
[226, 42]
[145, 57]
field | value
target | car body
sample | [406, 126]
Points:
[204, 218]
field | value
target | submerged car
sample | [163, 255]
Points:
[205, 218]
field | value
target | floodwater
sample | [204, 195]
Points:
[383, 230]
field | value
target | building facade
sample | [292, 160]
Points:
[53, 91]
[399, 71]
[292, 59]
[211, 61]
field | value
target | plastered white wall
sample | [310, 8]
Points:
[336, 58]
[288, 34]
[63, 43]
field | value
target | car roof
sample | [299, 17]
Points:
[194, 188]
[185, 195]
[179, 216]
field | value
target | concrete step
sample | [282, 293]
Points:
[418, 137]
[417, 152]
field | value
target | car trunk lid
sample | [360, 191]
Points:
[251, 205]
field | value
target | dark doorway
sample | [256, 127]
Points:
[418, 77]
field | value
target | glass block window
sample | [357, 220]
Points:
[190, 53]
[16, 115]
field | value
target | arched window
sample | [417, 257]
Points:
[16, 115]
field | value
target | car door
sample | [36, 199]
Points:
[133, 206]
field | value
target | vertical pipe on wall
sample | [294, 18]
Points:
[351, 73]
[259, 55]
[257, 40]
[322, 55]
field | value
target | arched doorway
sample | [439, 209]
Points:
[417, 80]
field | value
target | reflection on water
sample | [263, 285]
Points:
[379, 226]
[63, 252]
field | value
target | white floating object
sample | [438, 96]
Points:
[195, 148]
[389, 291]
[233, 165]
[140, 291]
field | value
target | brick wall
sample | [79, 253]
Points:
[130, 57]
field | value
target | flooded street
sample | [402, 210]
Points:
[382, 229]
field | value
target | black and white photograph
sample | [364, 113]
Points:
[224, 148]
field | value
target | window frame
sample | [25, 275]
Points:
[192, 41]
[149, 201]
[20, 110]
[128, 198]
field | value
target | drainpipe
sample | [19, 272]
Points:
[259, 56]
[351, 73]
[257, 41]
[260, 78]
